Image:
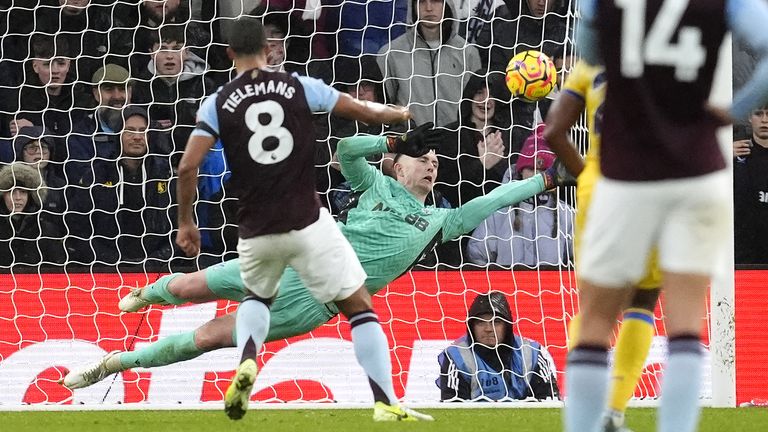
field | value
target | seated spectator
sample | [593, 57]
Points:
[427, 67]
[172, 85]
[26, 236]
[491, 363]
[537, 232]
[473, 14]
[48, 97]
[98, 33]
[474, 154]
[292, 45]
[33, 146]
[520, 25]
[133, 197]
[155, 14]
[750, 171]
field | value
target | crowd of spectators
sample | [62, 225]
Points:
[98, 98]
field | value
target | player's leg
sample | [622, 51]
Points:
[220, 281]
[614, 250]
[262, 261]
[215, 334]
[331, 272]
[631, 350]
[689, 249]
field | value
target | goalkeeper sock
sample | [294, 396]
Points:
[372, 352]
[157, 292]
[165, 351]
[252, 325]
[679, 409]
[632, 348]
[587, 385]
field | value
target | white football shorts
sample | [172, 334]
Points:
[319, 253]
[684, 218]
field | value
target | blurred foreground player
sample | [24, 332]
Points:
[663, 186]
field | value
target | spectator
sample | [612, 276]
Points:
[520, 25]
[426, 68]
[96, 33]
[96, 134]
[539, 231]
[26, 236]
[48, 97]
[491, 363]
[33, 146]
[292, 47]
[172, 84]
[750, 172]
[474, 155]
[133, 198]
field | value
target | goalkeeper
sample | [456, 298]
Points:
[390, 230]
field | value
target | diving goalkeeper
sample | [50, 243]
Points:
[390, 230]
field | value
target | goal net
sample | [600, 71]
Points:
[67, 260]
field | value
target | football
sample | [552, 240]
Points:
[531, 75]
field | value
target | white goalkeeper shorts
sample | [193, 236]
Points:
[320, 254]
[684, 218]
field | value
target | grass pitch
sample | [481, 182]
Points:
[349, 420]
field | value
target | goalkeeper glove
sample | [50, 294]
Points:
[417, 142]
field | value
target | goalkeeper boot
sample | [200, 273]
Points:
[556, 176]
[384, 413]
[239, 392]
[94, 373]
[614, 422]
[133, 302]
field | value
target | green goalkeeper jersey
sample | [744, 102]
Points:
[389, 229]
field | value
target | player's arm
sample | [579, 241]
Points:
[201, 140]
[746, 18]
[470, 215]
[323, 98]
[352, 153]
[563, 114]
[369, 112]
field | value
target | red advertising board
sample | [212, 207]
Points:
[52, 322]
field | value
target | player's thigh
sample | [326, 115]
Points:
[295, 311]
[262, 262]
[693, 237]
[224, 281]
[623, 222]
[327, 264]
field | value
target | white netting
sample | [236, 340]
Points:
[107, 222]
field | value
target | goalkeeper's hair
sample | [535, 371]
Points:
[246, 36]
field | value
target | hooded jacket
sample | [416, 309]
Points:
[175, 100]
[518, 368]
[429, 81]
[26, 238]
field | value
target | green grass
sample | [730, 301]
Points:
[352, 420]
